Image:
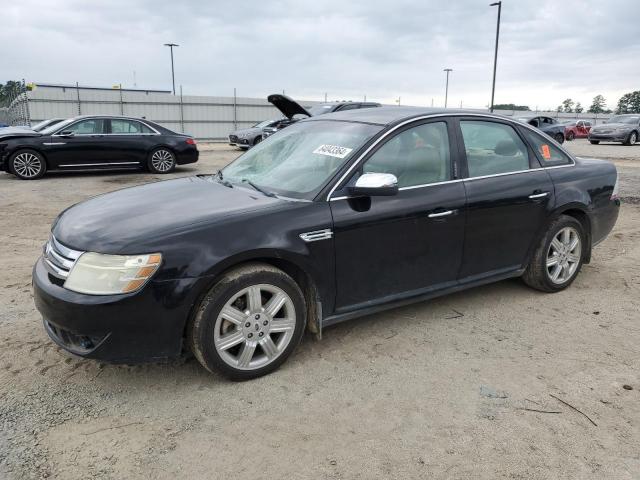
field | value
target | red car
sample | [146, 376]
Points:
[577, 129]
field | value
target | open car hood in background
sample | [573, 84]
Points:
[287, 106]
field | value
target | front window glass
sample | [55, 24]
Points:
[93, 126]
[623, 119]
[299, 160]
[417, 156]
[493, 148]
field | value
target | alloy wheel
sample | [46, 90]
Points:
[27, 165]
[254, 327]
[633, 138]
[563, 255]
[162, 160]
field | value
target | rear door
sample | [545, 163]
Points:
[128, 141]
[79, 145]
[403, 245]
[508, 197]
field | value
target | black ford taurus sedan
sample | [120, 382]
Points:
[95, 142]
[337, 216]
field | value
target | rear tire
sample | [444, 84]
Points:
[571, 136]
[594, 142]
[27, 164]
[631, 139]
[558, 258]
[559, 137]
[249, 323]
[161, 161]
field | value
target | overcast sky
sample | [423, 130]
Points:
[549, 49]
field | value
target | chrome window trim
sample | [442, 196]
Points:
[58, 132]
[509, 121]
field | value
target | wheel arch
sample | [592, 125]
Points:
[13, 150]
[289, 265]
[580, 213]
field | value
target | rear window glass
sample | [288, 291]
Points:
[546, 152]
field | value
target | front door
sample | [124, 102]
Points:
[79, 145]
[507, 198]
[389, 248]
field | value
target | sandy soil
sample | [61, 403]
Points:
[459, 387]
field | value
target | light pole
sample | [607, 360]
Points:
[495, 56]
[173, 76]
[446, 90]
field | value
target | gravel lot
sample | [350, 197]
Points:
[458, 387]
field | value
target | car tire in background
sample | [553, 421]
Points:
[248, 323]
[257, 140]
[558, 258]
[571, 136]
[631, 139]
[559, 137]
[594, 142]
[161, 160]
[27, 164]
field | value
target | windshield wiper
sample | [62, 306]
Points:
[221, 179]
[261, 190]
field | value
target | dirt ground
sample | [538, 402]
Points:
[458, 387]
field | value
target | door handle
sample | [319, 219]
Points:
[441, 214]
[539, 195]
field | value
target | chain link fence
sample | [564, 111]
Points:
[15, 110]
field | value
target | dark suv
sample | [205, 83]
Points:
[290, 109]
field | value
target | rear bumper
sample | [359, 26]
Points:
[144, 326]
[187, 156]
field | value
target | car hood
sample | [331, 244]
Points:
[126, 220]
[247, 131]
[609, 126]
[15, 132]
[287, 106]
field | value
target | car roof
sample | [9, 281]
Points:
[391, 115]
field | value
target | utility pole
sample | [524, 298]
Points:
[495, 55]
[446, 89]
[173, 76]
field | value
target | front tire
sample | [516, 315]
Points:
[257, 140]
[161, 161]
[594, 142]
[557, 260]
[632, 138]
[249, 323]
[27, 165]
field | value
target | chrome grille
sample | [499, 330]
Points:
[58, 258]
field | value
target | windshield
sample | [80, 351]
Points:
[38, 126]
[52, 128]
[300, 159]
[623, 119]
[320, 109]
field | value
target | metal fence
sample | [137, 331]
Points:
[204, 117]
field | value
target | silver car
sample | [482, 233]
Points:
[246, 138]
[619, 128]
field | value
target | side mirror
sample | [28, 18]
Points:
[374, 185]
[67, 133]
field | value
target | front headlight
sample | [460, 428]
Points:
[98, 274]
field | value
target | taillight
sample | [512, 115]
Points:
[190, 141]
[614, 194]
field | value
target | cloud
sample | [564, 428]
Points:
[549, 50]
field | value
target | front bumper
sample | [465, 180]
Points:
[144, 326]
[609, 137]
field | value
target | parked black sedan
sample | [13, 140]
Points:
[95, 142]
[548, 125]
[336, 217]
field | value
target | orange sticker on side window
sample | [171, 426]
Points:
[546, 153]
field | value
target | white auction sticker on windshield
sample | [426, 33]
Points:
[333, 151]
